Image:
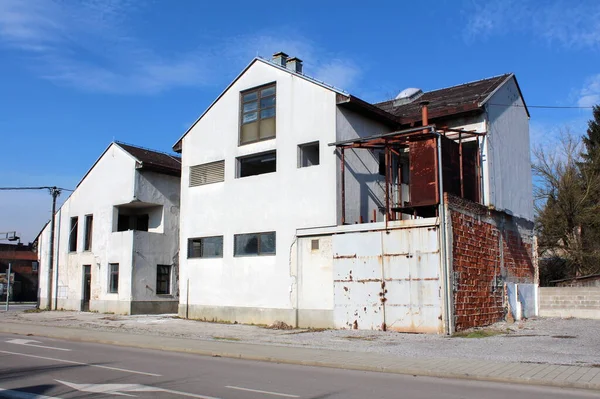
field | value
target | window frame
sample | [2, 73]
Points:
[189, 249]
[258, 251]
[73, 233]
[111, 288]
[258, 110]
[301, 148]
[238, 163]
[168, 279]
[88, 231]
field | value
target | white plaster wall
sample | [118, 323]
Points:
[156, 246]
[508, 154]
[315, 273]
[290, 198]
[365, 188]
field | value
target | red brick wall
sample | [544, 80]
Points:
[480, 267]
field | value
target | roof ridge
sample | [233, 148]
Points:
[175, 157]
[457, 85]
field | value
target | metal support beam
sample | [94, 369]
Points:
[343, 178]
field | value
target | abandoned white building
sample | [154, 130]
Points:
[117, 237]
[304, 204]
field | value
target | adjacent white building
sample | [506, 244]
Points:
[259, 177]
[117, 237]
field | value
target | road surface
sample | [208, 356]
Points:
[33, 367]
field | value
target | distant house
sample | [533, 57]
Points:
[24, 268]
[117, 237]
[305, 204]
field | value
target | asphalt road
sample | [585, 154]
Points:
[33, 367]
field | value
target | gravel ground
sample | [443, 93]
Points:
[541, 340]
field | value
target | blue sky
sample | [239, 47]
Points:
[77, 74]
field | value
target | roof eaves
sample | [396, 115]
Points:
[356, 104]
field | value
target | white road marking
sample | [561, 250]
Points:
[82, 364]
[31, 342]
[120, 389]
[265, 392]
[7, 393]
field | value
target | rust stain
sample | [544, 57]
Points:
[345, 256]
[369, 280]
[346, 289]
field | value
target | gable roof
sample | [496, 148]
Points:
[177, 145]
[452, 100]
[156, 161]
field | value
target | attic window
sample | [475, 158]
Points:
[257, 114]
[308, 154]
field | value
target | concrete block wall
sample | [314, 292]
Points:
[580, 302]
[489, 248]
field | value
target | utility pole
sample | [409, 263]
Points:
[8, 284]
[55, 192]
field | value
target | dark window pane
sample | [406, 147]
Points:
[257, 165]
[267, 102]
[250, 96]
[308, 155]
[269, 91]
[87, 242]
[251, 106]
[163, 279]
[205, 247]
[212, 247]
[267, 113]
[245, 244]
[114, 277]
[250, 117]
[267, 243]
[73, 235]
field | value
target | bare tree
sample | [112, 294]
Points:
[567, 207]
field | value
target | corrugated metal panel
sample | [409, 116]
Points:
[213, 172]
[423, 184]
[388, 280]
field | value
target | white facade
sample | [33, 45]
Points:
[295, 285]
[118, 184]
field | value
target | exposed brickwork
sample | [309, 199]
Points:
[488, 248]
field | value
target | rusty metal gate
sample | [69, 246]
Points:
[388, 280]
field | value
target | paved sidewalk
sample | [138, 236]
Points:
[483, 370]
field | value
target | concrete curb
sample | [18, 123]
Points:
[228, 351]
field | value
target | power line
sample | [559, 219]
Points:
[34, 188]
[541, 106]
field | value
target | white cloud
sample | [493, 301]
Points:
[88, 45]
[589, 95]
[566, 23]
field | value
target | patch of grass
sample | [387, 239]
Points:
[361, 338]
[477, 334]
[219, 338]
[34, 310]
[308, 330]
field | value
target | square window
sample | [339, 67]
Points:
[257, 114]
[254, 244]
[314, 245]
[257, 164]
[308, 154]
[205, 247]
